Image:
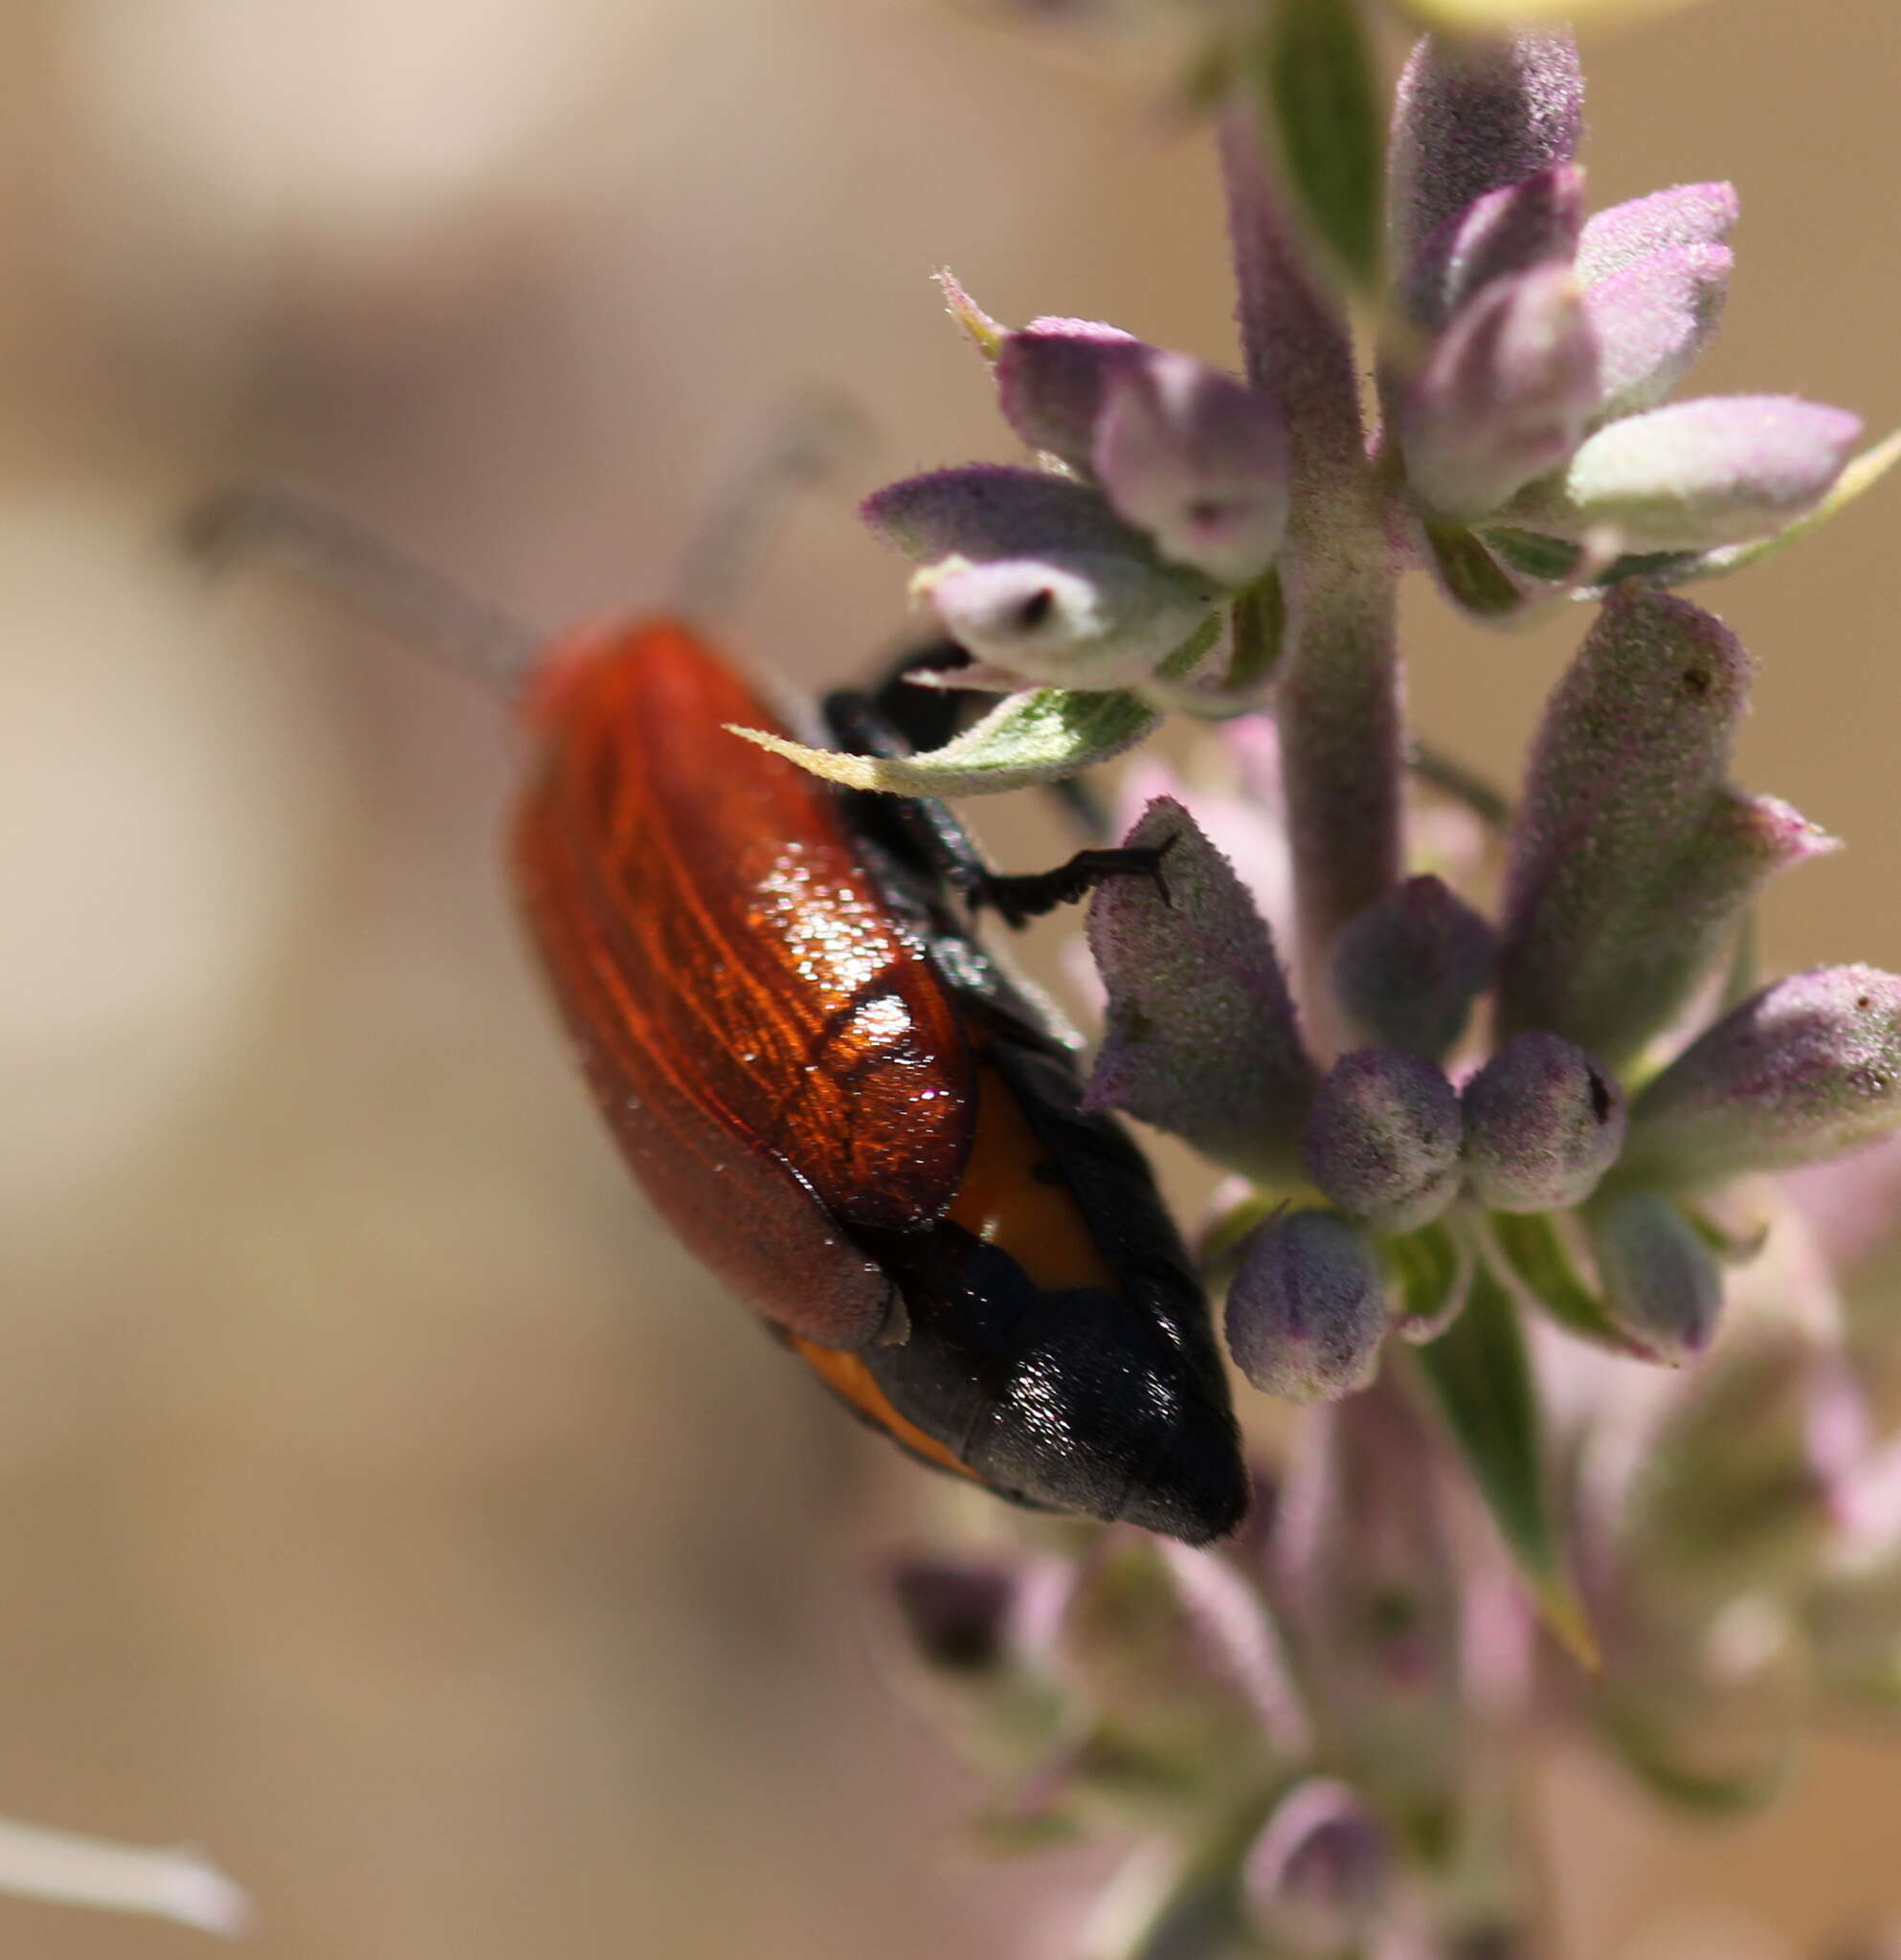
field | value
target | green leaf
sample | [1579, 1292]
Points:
[1258, 624]
[1474, 577]
[1531, 1246]
[1658, 567]
[1481, 1377]
[1430, 1270]
[1259, 630]
[1532, 553]
[1329, 124]
[1025, 740]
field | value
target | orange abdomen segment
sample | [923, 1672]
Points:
[776, 1057]
[848, 1378]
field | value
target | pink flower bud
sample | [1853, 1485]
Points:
[1686, 215]
[1306, 1311]
[1807, 1069]
[1473, 116]
[983, 511]
[1087, 620]
[1652, 320]
[1662, 1284]
[1532, 222]
[1543, 1124]
[1716, 471]
[1051, 380]
[1407, 970]
[1198, 461]
[1201, 1036]
[1382, 1141]
[1504, 397]
[1626, 775]
[1319, 1874]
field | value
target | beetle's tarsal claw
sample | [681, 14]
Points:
[1019, 897]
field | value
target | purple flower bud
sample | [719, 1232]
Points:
[1037, 576]
[1531, 223]
[1715, 471]
[1543, 1124]
[1741, 841]
[985, 511]
[1319, 1874]
[1407, 970]
[1198, 460]
[1473, 115]
[1651, 321]
[1382, 1141]
[1083, 619]
[1662, 1284]
[1051, 379]
[1807, 1069]
[1306, 1311]
[972, 1640]
[1687, 215]
[1673, 934]
[1503, 396]
[1624, 778]
[1201, 1036]
[955, 1614]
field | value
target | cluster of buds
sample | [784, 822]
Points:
[1544, 1200]
[1629, 864]
[1531, 353]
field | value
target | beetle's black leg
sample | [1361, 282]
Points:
[923, 717]
[928, 833]
[1016, 896]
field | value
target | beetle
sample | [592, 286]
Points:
[837, 1099]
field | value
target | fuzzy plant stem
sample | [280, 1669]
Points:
[1339, 699]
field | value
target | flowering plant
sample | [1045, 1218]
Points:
[1591, 1439]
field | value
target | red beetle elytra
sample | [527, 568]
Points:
[842, 1106]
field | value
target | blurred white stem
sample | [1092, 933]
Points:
[37, 1863]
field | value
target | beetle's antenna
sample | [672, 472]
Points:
[810, 440]
[309, 536]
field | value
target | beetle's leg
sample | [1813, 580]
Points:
[1016, 896]
[927, 832]
[921, 717]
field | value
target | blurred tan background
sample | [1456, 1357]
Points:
[384, 1504]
